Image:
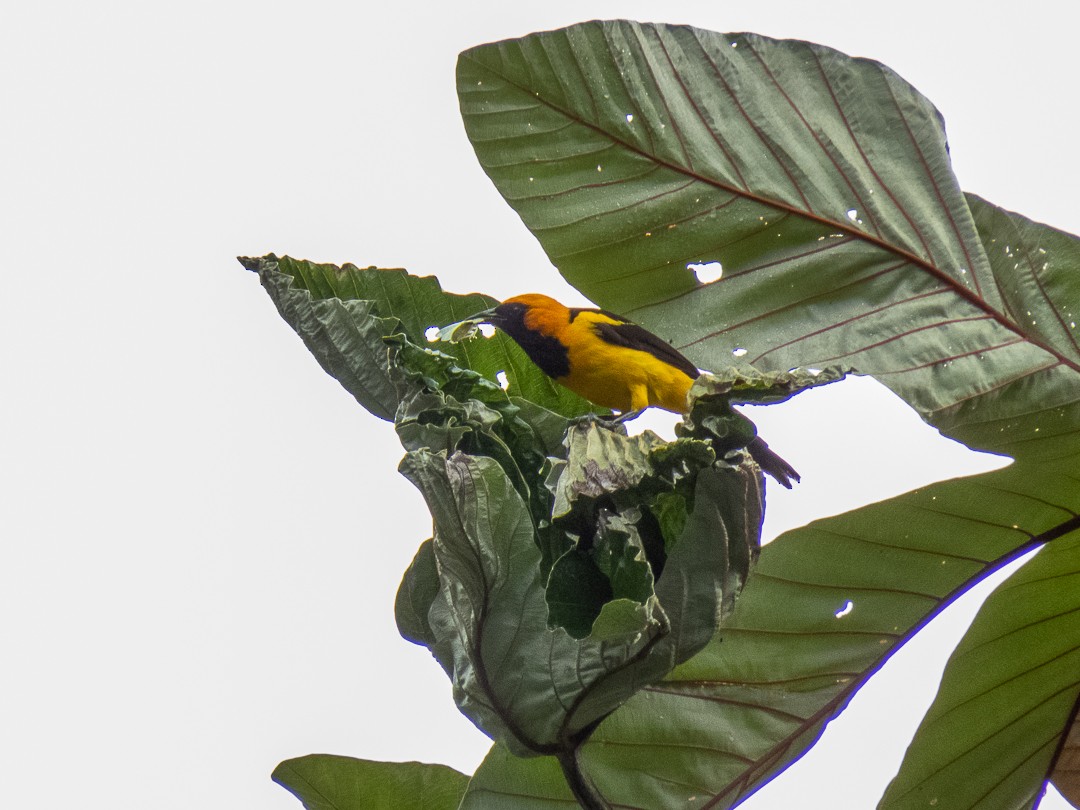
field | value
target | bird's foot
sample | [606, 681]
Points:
[628, 416]
[606, 420]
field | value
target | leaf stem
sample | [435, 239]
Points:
[1064, 742]
[580, 785]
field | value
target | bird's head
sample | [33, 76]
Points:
[524, 312]
[534, 322]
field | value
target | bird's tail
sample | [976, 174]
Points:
[771, 463]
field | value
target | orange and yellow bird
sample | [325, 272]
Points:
[610, 361]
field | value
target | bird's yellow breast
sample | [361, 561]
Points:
[618, 377]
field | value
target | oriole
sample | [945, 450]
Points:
[610, 361]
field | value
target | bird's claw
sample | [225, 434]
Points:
[628, 416]
[607, 420]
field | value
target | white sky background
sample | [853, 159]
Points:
[202, 532]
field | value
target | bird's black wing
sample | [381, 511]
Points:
[631, 336]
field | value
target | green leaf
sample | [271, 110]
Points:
[417, 591]
[346, 337]
[600, 491]
[326, 782]
[1035, 267]
[577, 592]
[820, 182]
[748, 386]
[620, 555]
[490, 618]
[344, 313]
[631, 150]
[1036, 413]
[713, 417]
[504, 781]
[1007, 696]
[671, 512]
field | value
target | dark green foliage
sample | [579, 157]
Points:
[574, 571]
[546, 547]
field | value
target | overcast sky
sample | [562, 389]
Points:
[202, 532]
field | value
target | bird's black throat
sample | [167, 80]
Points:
[546, 351]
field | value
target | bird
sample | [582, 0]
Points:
[610, 361]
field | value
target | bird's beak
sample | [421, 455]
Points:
[463, 330]
[485, 316]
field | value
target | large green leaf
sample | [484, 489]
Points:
[327, 782]
[822, 184]
[1011, 685]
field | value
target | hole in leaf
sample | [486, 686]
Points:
[707, 272]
